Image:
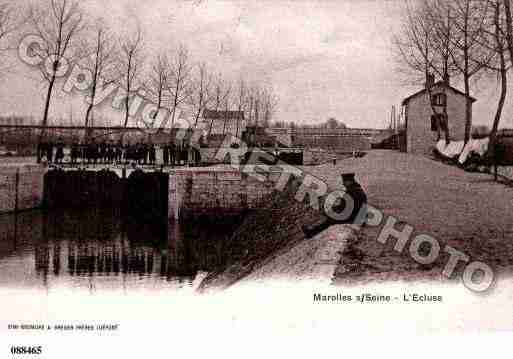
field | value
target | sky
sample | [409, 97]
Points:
[322, 58]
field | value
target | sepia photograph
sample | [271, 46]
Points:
[183, 177]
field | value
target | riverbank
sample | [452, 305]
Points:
[270, 245]
[265, 233]
[468, 211]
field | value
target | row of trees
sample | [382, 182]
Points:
[330, 123]
[169, 79]
[464, 39]
[177, 81]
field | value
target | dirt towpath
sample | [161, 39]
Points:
[468, 211]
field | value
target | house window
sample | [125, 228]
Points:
[439, 99]
[438, 121]
[434, 123]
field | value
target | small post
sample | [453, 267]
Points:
[496, 155]
[17, 184]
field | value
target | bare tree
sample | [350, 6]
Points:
[201, 96]
[257, 103]
[158, 84]
[439, 17]
[130, 67]
[269, 104]
[253, 103]
[227, 98]
[180, 76]
[263, 103]
[9, 22]
[423, 49]
[250, 103]
[414, 46]
[217, 99]
[443, 37]
[100, 61]
[509, 27]
[241, 102]
[502, 69]
[494, 40]
[58, 23]
[468, 19]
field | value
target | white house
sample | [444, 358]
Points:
[423, 127]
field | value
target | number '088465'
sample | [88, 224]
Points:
[26, 350]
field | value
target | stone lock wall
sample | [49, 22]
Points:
[23, 193]
[192, 192]
[214, 192]
[333, 143]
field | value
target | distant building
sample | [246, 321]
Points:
[260, 137]
[13, 121]
[340, 140]
[21, 139]
[321, 132]
[422, 126]
[224, 122]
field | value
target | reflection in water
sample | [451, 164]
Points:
[96, 249]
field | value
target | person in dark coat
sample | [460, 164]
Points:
[39, 151]
[49, 151]
[124, 153]
[165, 154]
[102, 152]
[86, 152]
[110, 153]
[179, 153]
[117, 154]
[82, 151]
[172, 154]
[140, 153]
[336, 214]
[185, 153]
[59, 153]
[93, 151]
[145, 152]
[130, 153]
[152, 154]
[75, 153]
[197, 156]
[107, 155]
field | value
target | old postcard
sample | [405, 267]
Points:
[179, 177]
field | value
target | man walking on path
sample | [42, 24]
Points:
[353, 193]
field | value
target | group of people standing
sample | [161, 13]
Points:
[46, 149]
[180, 154]
[109, 153]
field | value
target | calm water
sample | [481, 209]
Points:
[98, 251]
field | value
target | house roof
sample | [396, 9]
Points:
[229, 115]
[439, 83]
